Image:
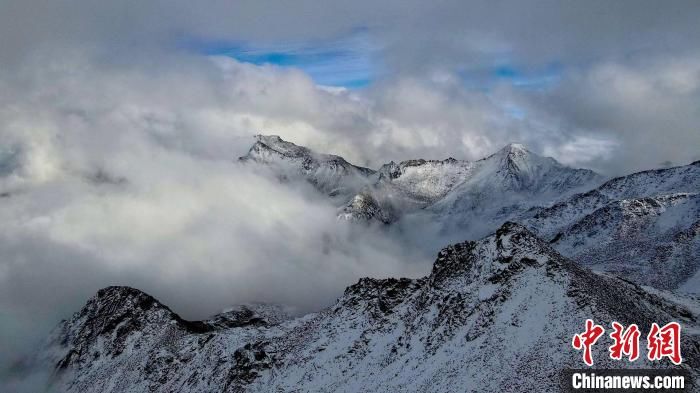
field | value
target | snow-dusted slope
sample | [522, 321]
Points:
[644, 226]
[457, 192]
[407, 187]
[124, 340]
[654, 241]
[424, 181]
[495, 315]
[552, 220]
[329, 173]
[508, 182]
[489, 191]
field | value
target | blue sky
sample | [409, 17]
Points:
[523, 78]
[346, 62]
[351, 62]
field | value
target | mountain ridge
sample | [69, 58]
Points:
[329, 173]
[572, 208]
[438, 186]
[643, 225]
[445, 332]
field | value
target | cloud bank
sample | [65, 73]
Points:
[119, 138]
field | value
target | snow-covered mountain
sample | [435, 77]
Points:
[644, 226]
[329, 173]
[551, 220]
[457, 192]
[504, 185]
[494, 315]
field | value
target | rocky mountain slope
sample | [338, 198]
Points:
[494, 315]
[551, 220]
[644, 226]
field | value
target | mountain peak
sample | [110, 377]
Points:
[513, 156]
[364, 207]
[511, 249]
[515, 147]
[267, 145]
[513, 151]
[271, 138]
[120, 297]
[329, 173]
[273, 141]
[518, 167]
[122, 308]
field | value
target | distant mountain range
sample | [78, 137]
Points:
[644, 226]
[496, 314]
[496, 187]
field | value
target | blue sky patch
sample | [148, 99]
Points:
[345, 62]
[526, 78]
[350, 62]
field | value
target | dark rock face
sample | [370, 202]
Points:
[363, 207]
[487, 311]
[116, 314]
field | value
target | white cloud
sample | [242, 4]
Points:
[129, 179]
[118, 149]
